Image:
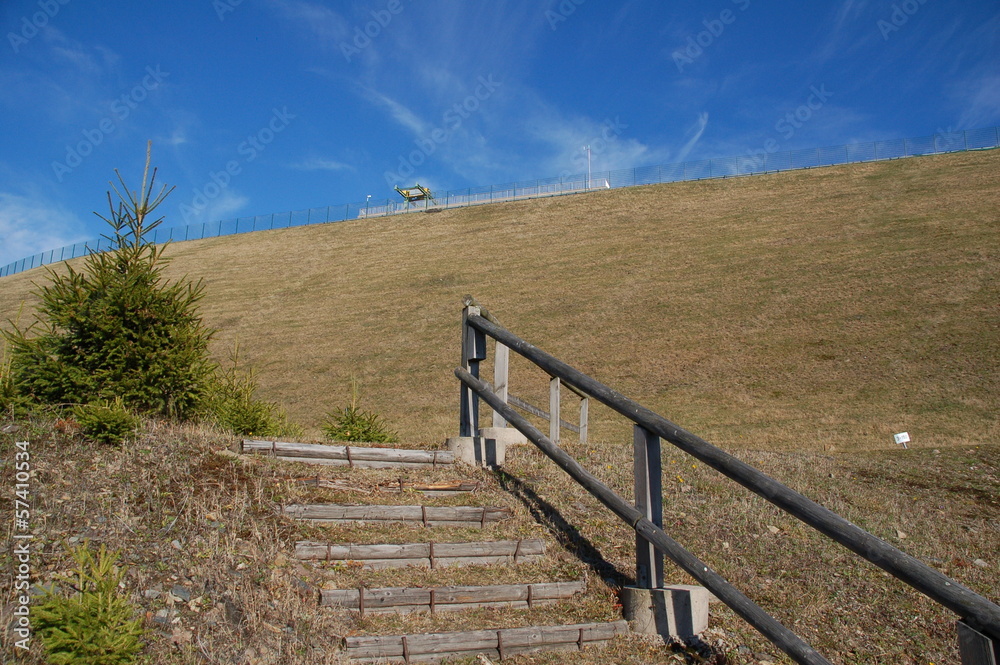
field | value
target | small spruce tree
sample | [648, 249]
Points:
[117, 328]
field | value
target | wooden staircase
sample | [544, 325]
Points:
[439, 552]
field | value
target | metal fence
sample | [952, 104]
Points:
[726, 167]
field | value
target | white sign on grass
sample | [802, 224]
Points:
[902, 438]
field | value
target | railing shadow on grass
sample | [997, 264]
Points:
[567, 535]
[547, 515]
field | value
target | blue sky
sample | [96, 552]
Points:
[260, 106]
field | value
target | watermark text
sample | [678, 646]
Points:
[697, 44]
[21, 542]
[31, 26]
[451, 121]
[249, 150]
[121, 108]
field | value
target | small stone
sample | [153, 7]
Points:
[181, 636]
[980, 563]
[181, 593]
[773, 529]
[163, 617]
[176, 544]
[150, 594]
[900, 534]
[725, 545]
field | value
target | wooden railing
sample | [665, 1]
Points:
[979, 619]
[501, 375]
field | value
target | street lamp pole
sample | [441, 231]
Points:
[367, 202]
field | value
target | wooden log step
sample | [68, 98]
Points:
[449, 598]
[449, 488]
[424, 555]
[353, 456]
[468, 516]
[491, 643]
[434, 489]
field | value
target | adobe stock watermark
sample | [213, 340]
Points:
[249, 150]
[949, 140]
[901, 14]
[610, 132]
[21, 541]
[223, 7]
[696, 44]
[121, 108]
[451, 121]
[566, 8]
[786, 127]
[31, 26]
[364, 34]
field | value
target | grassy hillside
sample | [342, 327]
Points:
[805, 310]
[784, 316]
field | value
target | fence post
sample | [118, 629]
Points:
[554, 418]
[976, 648]
[649, 501]
[473, 351]
[501, 364]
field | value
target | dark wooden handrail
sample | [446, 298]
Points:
[975, 611]
[752, 613]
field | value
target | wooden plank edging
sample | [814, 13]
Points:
[425, 555]
[449, 598]
[425, 515]
[495, 643]
[316, 453]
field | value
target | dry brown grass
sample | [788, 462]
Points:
[831, 307]
[798, 319]
[252, 604]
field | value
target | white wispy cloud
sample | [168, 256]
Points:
[695, 134]
[851, 28]
[979, 99]
[223, 207]
[32, 225]
[321, 164]
[321, 21]
[403, 115]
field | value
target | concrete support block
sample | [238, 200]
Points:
[478, 451]
[506, 435]
[679, 611]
